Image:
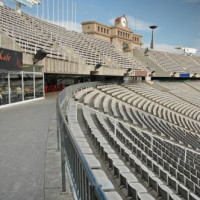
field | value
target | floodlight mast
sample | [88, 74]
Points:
[152, 37]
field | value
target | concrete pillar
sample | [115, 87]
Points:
[152, 42]
[128, 80]
[148, 78]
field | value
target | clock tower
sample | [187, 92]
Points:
[121, 21]
[119, 35]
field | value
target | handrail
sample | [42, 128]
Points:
[82, 177]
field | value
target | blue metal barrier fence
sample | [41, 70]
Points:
[82, 178]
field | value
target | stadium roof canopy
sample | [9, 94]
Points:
[28, 3]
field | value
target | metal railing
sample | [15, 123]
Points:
[81, 175]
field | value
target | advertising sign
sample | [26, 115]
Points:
[184, 75]
[10, 60]
[140, 73]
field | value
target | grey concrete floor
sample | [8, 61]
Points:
[53, 184]
[23, 143]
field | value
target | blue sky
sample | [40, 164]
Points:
[178, 20]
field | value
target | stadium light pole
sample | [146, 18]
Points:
[152, 38]
[72, 13]
[53, 11]
[37, 11]
[67, 15]
[47, 10]
[58, 11]
[75, 16]
[43, 9]
[63, 16]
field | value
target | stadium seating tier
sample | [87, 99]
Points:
[149, 150]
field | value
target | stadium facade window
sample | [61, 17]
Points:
[38, 86]
[101, 29]
[28, 86]
[4, 93]
[20, 86]
[98, 28]
[107, 31]
[15, 87]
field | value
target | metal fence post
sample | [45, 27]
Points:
[115, 128]
[81, 177]
[77, 112]
[185, 157]
[58, 127]
[63, 158]
[152, 142]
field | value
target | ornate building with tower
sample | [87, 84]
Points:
[120, 34]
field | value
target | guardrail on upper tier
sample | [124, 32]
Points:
[82, 178]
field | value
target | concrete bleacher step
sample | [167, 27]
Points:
[103, 180]
[120, 171]
[163, 177]
[82, 92]
[151, 64]
[164, 189]
[90, 158]
[105, 104]
[89, 96]
[113, 196]
[92, 161]
[98, 100]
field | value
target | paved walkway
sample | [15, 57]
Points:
[29, 163]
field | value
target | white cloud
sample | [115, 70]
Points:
[70, 25]
[164, 47]
[111, 21]
[197, 44]
[138, 24]
[192, 1]
[189, 1]
[134, 23]
[171, 48]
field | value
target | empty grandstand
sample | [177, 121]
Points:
[32, 34]
[70, 52]
[134, 140]
[165, 63]
[141, 141]
[70, 55]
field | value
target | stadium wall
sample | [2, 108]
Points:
[72, 64]
[8, 43]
